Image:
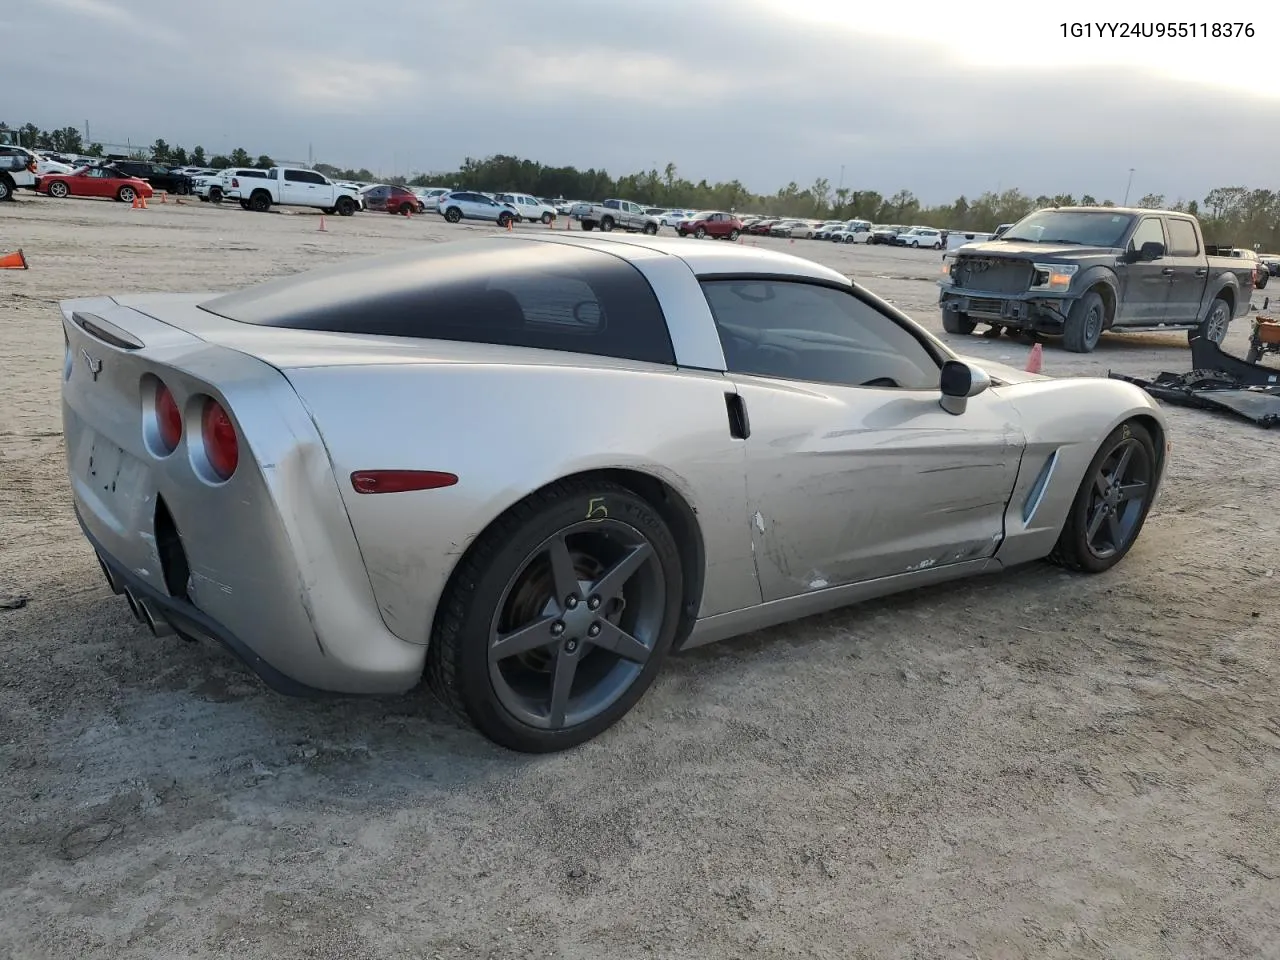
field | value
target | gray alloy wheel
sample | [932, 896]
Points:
[126, 194]
[1111, 504]
[576, 624]
[453, 215]
[1216, 323]
[559, 616]
[58, 189]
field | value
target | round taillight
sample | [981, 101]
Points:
[221, 448]
[168, 418]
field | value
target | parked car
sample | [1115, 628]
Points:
[214, 187]
[18, 167]
[855, 231]
[1261, 274]
[615, 214]
[293, 187]
[429, 195]
[392, 198]
[1077, 271]
[158, 175]
[825, 231]
[468, 205]
[98, 181]
[1272, 262]
[920, 237]
[527, 207]
[538, 580]
[714, 224]
[885, 233]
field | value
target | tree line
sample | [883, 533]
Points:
[1238, 216]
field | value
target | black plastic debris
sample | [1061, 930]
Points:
[1220, 382]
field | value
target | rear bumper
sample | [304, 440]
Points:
[184, 618]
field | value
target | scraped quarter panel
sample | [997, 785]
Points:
[507, 430]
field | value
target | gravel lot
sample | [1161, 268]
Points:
[1030, 765]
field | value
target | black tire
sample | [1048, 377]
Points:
[1076, 549]
[126, 194]
[606, 224]
[483, 592]
[6, 188]
[1085, 323]
[215, 194]
[1216, 323]
[345, 206]
[955, 322]
[683, 233]
[1263, 281]
[59, 190]
[547, 217]
[1254, 354]
[328, 211]
[650, 229]
[260, 202]
[453, 214]
[700, 233]
[244, 204]
[733, 236]
[588, 225]
[505, 219]
[406, 209]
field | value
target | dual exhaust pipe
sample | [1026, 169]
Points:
[144, 612]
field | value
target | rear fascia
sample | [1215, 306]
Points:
[274, 561]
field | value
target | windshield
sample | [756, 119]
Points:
[1101, 228]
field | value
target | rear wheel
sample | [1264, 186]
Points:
[244, 204]
[606, 224]
[260, 202]
[6, 188]
[1216, 322]
[58, 189]
[1112, 503]
[955, 322]
[1085, 320]
[126, 194]
[559, 617]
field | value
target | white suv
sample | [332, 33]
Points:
[469, 205]
[920, 237]
[528, 208]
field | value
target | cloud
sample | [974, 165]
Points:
[125, 21]
[936, 98]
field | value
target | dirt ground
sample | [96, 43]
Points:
[1034, 764]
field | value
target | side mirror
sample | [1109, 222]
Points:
[1151, 250]
[959, 382]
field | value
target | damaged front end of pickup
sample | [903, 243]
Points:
[1006, 292]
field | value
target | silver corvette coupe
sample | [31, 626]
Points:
[526, 468]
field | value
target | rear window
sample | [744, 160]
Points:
[518, 293]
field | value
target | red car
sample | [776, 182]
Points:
[723, 225]
[99, 181]
[393, 199]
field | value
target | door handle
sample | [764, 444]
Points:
[739, 424]
[1167, 271]
[1202, 272]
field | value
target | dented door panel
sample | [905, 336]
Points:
[847, 484]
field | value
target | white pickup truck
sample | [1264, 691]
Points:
[17, 165]
[292, 187]
[615, 215]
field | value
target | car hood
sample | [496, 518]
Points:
[1034, 251]
[1003, 372]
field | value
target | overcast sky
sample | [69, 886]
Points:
[941, 98]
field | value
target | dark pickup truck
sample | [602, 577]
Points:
[1076, 271]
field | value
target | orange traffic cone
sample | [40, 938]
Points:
[162, 195]
[322, 226]
[13, 261]
[508, 225]
[1035, 362]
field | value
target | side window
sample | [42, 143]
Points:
[310, 176]
[293, 176]
[1183, 241]
[802, 331]
[1149, 231]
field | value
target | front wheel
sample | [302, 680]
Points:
[1263, 280]
[953, 321]
[126, 195]
[504, 220]
[650, 229]
[547, 218]
[58, 189]
[1111, 504]
[345, 206]
[733, 236]
[215, 194]
[559, 617]
[453, 215]
[700, 233]
[1085, 320]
